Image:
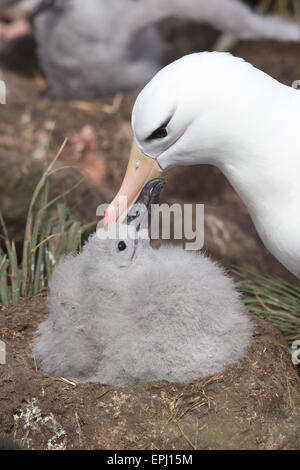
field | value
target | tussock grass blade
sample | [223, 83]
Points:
[13, 264]
[25, 266]
[274, 300]
[46, 242]
[60, 243]
[15, 284]
[49, 258]
[28, 230]
[73, 237]
[37, 227]
[38, 268]
[40, 279]
[40, 215]
[4, 289]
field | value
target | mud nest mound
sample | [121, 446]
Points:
[254, 405]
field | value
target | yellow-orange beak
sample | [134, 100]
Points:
[140, 170]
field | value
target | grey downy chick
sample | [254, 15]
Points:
[99, 47]
[122, 312]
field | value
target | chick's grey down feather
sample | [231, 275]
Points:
[169, 314]
[100, 47]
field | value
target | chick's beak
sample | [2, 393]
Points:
[140, 170]
[141, 213]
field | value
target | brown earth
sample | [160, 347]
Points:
[254, 405]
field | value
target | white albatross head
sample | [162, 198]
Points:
[206, 107]
[217, 109]
[176, 117]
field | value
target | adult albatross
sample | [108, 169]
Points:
[215, 108]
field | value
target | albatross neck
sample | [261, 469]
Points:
[261, 157]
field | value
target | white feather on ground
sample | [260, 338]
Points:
[168, 314]
[100, 47]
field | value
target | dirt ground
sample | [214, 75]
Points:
[254, 405]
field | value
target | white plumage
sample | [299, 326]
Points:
[165, 314]
[220, 110]
[99, 47]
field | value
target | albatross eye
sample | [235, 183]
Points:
[160, 133]
[122, 246]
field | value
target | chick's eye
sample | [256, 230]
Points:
[160, 133]
[122, 246]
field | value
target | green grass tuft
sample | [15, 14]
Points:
[274, 300]
[46, 240]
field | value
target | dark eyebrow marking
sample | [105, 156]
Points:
[167, 121]
[162, 126]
